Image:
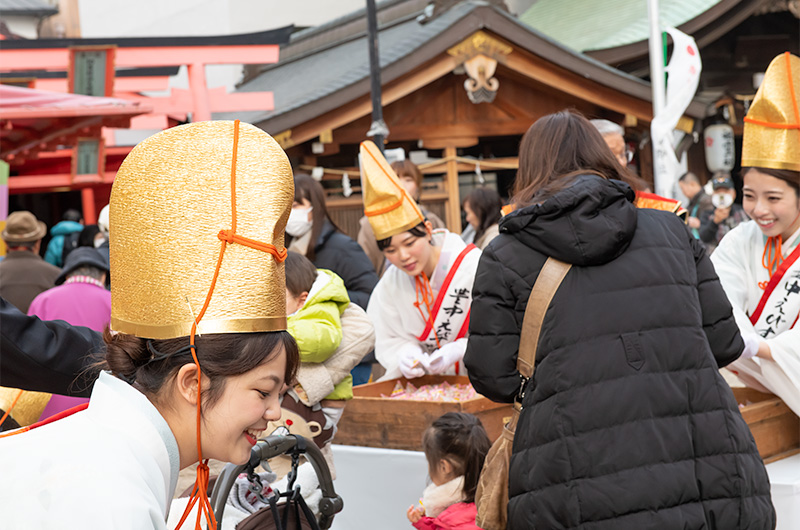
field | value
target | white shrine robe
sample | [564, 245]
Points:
[738, 262]
[398, 322]
[113, 465]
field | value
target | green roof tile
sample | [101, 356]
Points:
[586, 25]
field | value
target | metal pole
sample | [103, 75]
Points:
[658, 139]
[656, 59]
[377, 130]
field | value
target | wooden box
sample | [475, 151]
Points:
[372, 421]
[775, 427]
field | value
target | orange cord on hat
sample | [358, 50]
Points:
[403, 194]
[425, 295]
[796, 124]
[772, 257]
[13, 404]
[200, 490]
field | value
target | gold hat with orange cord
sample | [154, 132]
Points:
[772, 126]
[392, 211]
[197, 214]
[387, 205]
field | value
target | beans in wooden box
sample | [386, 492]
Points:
[373, 421]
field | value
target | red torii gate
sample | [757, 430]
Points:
[22, 59]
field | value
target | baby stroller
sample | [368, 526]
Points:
[286, 510]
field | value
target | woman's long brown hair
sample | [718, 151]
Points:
[557, 148]
[307, 188]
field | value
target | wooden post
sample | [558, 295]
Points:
[197, 84]
[87, 204]
[453, 206]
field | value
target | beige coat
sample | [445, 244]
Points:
[487, 236]
[358, 339]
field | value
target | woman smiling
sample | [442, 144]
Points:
[198, 353]
[420, 308]
[758, 262]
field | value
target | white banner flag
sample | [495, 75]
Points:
[684, 74]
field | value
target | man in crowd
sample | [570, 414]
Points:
[726, 214]
[64, 237]
[80, 296]
[700, 205]
[23, 273]
[614, 135]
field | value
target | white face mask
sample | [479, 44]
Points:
[721, 200]
[298, 223]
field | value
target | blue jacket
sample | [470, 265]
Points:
[56, 247]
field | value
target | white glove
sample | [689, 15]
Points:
[410, 361]
[751, 344]
[446, 356]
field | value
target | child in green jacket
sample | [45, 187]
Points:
[315, 301]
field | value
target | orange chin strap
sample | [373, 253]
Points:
[200, 490]
[425, 296]
[772, 256]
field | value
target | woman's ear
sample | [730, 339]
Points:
[429, 228]
[186, 382]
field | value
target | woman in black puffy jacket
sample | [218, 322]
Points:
[627, 423]
[311, 232]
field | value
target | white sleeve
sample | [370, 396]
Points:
[390, 336]
[729, 263]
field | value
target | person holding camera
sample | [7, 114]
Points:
[725, 216]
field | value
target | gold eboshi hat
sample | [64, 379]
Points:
[772, 126]
[387, 205]
[198, 214]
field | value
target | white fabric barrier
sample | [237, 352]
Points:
[784, 476]
[378, 486]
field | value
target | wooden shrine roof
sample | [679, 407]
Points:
[28, 8]
[32, 121]
[273, 36]
[321, 80]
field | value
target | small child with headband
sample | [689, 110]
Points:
[455, 446]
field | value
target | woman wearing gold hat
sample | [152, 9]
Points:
[420, 308]
[758, 262]
[197, 354]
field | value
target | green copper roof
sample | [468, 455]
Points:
[586, 25]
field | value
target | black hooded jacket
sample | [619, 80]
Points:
[337, 252]
[627, 423]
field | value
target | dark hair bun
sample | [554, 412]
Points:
[124, 354]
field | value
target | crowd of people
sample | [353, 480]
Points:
[260, 304]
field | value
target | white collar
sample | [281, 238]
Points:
[119, 406]
[436, 499]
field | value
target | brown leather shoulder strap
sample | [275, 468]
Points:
[546, 285]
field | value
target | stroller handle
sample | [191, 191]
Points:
[270, 447]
